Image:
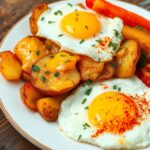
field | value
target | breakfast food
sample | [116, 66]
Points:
[56, 74]
[80, 66]
[8, 59]
[72, 29]
[113, 114]
[29, 50]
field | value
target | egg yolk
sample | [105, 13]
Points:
[80, 24]
[113, 112]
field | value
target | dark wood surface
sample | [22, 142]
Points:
[10, 12]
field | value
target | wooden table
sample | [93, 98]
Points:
[10, 12]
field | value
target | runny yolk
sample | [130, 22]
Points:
[113, 112]
[80, 24]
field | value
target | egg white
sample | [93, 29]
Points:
[53, 31]
[73, 115]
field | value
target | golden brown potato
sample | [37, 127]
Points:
[49, 108]
[90, 69]
[140, 36]
[52, 47]
[37, 11]
[108, 71]
[29, 96]
[10, 66]
[127, 59]
[146, 70]
[29, 50]
[56, 74]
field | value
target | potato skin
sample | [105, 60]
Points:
[49, 108]
[37, 11]
[52, 80]
[108, 71]
[30, 95]
[127, 59]
[29, 50]
[10, 66]
[89, 69]
[140, 36]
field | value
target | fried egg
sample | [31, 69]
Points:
[82, 31]
[113, 114]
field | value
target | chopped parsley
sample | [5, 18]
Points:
[82, 41]
[59, 12]
[89, 82]
[43, 78]
[69, 4]
[47, 72]
[42, 18]
[121, 37]
[62, 55]
[51, 56]
[86, 125]
[93, 45]
[114, 45]
[56, 74]
[35, 68]
[119, 88]
[99, 41]
[37, 52]
[50, 22]
[60, 35]
[143, 60]
[116, 33]
[115, 87]
[139, 27]
[79, 137]
[99, 59]
[87, 107]
[88, 91]
[84, 101]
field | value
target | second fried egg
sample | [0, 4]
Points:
[82, 31]
[113, 114]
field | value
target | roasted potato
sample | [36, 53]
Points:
[56, 74]
[29, 96]
[29, 50]
[140, 36]
[127, 59]
[108, 71]
[90, 69]
[52, 47]
[37, 11]
[49, 108]
[25, 77]
[10, 66]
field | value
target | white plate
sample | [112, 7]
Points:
[41, 133]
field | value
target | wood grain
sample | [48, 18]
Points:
[10, 12]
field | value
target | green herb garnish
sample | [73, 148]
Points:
[99, 41]
[88, 91]
[89, 82]
[114, 45]
[42, 18]
[56, 74]
[115, 87]
[143, 60]
[51, 56]
[113, 64]
[84, 100]
[116, 33]
[79, 137]
[50, 22]
[43, 78]
[69, 4]
[86, 125]
[119, 88]
[35, 68]
[87, 107]
[139, 27]
[59, 12]
[82, 41]
[60, 35]
[86, 27]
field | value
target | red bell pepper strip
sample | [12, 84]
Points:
[110, 10]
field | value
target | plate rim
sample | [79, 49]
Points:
[3, 108]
